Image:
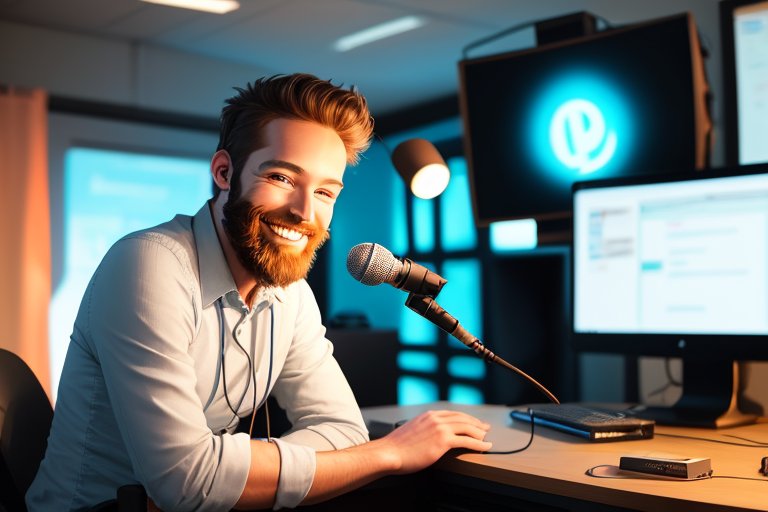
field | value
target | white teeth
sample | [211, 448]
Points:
[289, 234]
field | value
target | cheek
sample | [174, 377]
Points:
[267, 197]
[324, 213]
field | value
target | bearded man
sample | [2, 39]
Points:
[187, 327]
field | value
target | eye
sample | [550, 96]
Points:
[280, 178]
[325, 195]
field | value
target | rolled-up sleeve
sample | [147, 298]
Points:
[142, 321]
[312, 388]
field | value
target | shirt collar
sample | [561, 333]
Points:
[215, 277]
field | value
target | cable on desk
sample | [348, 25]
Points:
[761, 444]
[752, 444]
[518, 450]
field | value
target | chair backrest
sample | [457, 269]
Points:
[25, 420]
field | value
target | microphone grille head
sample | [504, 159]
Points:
[372, 264]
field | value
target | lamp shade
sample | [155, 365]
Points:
[422, 167]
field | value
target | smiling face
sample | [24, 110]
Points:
[279, 215]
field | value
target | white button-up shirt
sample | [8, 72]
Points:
[141, 397]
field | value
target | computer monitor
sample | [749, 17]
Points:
[676, 266]
[744, 31]
[625, 101]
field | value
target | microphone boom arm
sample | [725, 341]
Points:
[426, 306]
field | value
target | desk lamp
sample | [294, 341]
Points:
[422, 168]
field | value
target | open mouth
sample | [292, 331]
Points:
[287, 233]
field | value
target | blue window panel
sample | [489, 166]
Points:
[416, 330]
[513, 235]
[462, 297]
[415, 390]
[423, 224]
[370, 209]
[414, 361]
[461, 394]
[399, 219]
[108, 194]
[457, 224]
[466, 367]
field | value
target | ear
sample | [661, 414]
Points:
[221, 169]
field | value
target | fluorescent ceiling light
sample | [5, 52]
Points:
[376, 32]
[215, 6]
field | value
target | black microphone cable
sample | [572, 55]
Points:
[431, 310]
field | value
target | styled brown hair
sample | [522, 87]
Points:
[298, 96]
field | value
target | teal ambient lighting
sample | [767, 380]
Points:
[513, 235]
[466, 367]
[581, 125]
[411, 360]
[414, 391]
[463, 394]
[423, 220]
[457, 229]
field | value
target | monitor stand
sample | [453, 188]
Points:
[710, 397]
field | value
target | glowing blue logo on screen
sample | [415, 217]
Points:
[579, 138]
[581, 122]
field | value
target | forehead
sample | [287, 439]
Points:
[309, 145]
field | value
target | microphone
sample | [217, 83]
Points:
[373, 264]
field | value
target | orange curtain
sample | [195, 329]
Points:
[25, 253]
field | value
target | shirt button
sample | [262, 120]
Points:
[239, 331]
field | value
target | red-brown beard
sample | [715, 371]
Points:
[271, 264]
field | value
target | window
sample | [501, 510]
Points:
[108, 194]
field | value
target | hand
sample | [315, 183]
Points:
[423, 440]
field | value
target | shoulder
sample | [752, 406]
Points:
[172, 241]
[297, 293]
[176, 235]
[160, 258]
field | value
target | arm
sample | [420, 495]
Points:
[412, 447]
[311, 387]
[141, 319]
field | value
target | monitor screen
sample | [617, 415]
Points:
[675, 265]
[744, 30]
[628, 101]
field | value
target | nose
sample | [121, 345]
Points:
[302, 205]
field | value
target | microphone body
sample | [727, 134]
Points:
[372, 264]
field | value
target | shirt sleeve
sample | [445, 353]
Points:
[312, 388]
[141, 318]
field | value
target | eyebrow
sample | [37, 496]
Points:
[270, 164]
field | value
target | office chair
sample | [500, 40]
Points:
[25, 419]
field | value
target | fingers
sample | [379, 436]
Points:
[470, 443]
[453, 429]
[466, 424]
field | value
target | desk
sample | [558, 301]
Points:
[550, 473]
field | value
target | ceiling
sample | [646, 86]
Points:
[285, 36]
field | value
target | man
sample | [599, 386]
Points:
[185, 329]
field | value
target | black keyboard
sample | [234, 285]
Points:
[595, 424]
